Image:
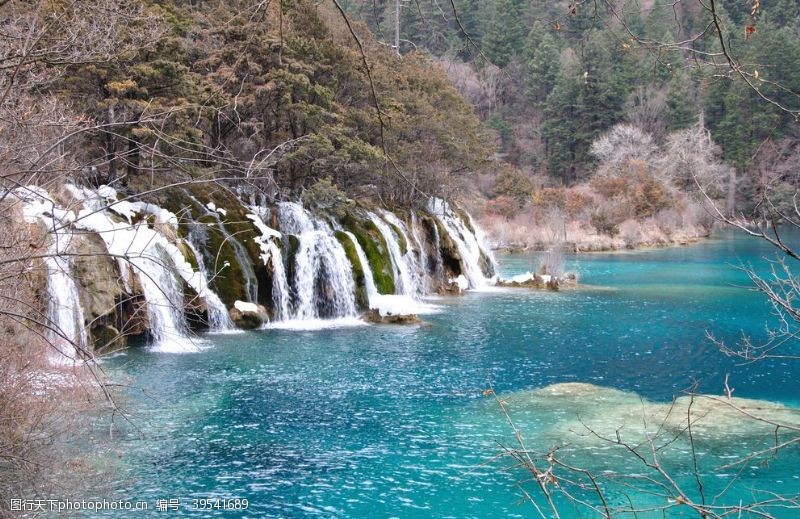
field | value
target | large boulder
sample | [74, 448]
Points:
[110, 313]
[248, 316]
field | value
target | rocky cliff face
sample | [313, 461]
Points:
[200, 257]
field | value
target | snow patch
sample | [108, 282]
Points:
[245, 307]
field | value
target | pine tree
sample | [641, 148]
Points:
[541, 60]
[681, 112]
[505, 32]
[567, 142]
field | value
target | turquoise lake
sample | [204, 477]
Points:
[385, 421]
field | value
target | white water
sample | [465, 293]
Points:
[242, 257]
[64, 313]
[403, 282]
[369, 278]
[270, 252]
[427, 282]
[414, 265]
[323, 281]
[466, 242]
[155, 261]
[386, 304]
[218, 318]
[322, 292]
[483, 245]
[280, 285]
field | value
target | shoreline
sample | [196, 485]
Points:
[573, 248]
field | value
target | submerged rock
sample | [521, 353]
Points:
[374, 316]
[587, 413]
[538, 281]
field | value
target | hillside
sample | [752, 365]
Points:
[580, 92]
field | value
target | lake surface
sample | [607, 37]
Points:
[383, 421]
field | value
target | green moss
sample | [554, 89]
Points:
[377, 253]
[227, 277]
[188, 253]
[451, 259]
[178, 202]
[401, 240]
[235, 219]
[358, 271]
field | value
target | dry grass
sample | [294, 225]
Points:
[41, 405]
[531, 229]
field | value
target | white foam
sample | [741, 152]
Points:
[314, 324]
[401, 305]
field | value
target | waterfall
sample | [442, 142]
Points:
[242, 257]
[412, 257]
[156, 262]
[386, 304]
[324, 285]
[483, 245]
[280, 285]
[218, 318]
[468, 245]
[270, 252]
[65, 317]
[403, 281]
[369, 279]
[437, 247]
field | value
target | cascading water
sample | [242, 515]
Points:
[403, 281]
[369, 279]
[271, 255]
[323, 283]
[280, 284]
[156, 262]
[423, 257]
[480, 237]
[65, 328]
[437, 247]
[386, 304]
[414, 265]
[242, 258]
[468, 245]
[218, 318]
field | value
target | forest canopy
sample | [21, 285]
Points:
[145, 93]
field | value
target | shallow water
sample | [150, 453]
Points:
[385, 421]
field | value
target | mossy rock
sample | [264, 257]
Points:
[464, 216]
[227, 276]
[401, 239]
[249, 320]
[235, 219]
[188, 254]
[374, 316]
[107, 339]
[451, 258]
[486, 265]
[178, 202]
[377, 252]
[362, 300]
[195, 309]
[429, 233]
[291, 246]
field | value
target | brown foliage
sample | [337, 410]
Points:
[38, 402]
[636, 188]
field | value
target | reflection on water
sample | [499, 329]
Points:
[388, 421]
